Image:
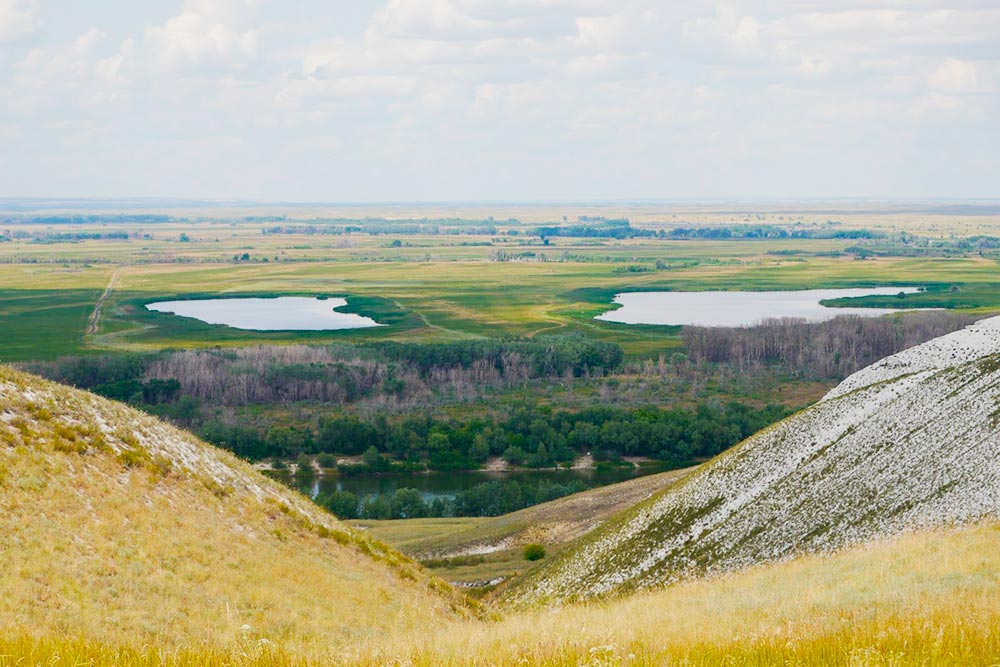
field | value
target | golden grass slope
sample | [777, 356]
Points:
[113, 554]
[928, 598]
[117, 527]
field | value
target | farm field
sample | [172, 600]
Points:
[430, 288]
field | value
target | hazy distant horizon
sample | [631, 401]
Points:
[14, 203]
[642, 211]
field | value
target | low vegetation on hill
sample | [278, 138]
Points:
[114, 525]
[485, 552]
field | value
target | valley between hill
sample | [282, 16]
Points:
[859, 531]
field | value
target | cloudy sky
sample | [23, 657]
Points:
[375, 100]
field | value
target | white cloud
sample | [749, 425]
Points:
[465, 20]
[204, 34]
[18, 19]
[954, 76]
[589, 83]
[735, 33]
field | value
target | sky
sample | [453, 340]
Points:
[510, 100]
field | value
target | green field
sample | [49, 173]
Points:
[45, 308]
[437, 277]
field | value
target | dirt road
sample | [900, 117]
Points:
[95, 317]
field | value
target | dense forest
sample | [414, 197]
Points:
[530, 435]
[391, 373]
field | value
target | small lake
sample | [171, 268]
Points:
[447, 485]
[733, 309]
[283, 313]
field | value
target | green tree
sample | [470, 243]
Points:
[304, 465]
[371, 457]
[408, 504]
[343, 504]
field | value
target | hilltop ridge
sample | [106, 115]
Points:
[117, 526]
[910, 442]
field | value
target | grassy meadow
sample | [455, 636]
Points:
[44, 309]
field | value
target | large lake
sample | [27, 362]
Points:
[283, 313]
[733, 309]
[448, 484]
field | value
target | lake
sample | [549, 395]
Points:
[283, 313]
[447, 485]
[733, 309]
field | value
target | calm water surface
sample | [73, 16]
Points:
[733, 309]
[283, 313]
[448, 484]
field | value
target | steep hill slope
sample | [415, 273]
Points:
[118, 527]
[912, 441]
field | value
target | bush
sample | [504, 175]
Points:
[304, 465]
[534, 552]
[343, 504]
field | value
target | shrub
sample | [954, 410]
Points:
[304, 465]
[343, 504]
[534, 552]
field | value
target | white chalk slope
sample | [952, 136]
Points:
[911, 441]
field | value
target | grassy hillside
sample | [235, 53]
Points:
[929, 598]
[911, 441]
[119, 528]
[128, 542]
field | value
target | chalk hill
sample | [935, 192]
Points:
[910, 442]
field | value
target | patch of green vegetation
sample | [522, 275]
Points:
[533, 552]
[43, 323]
[453, 562]
[156, 329]
[965, 296]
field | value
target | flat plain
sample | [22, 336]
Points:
[448, 277]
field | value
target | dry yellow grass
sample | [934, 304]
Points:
[103, 536]
[111, 556]
[922, 599]
[928, 598]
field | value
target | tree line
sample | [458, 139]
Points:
[820, 350]
[493, 498]
[338, 374]
[530, 435]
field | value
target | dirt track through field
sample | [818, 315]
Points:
[95, 317]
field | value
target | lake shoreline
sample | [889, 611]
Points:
[494, 465]
[714, 308]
